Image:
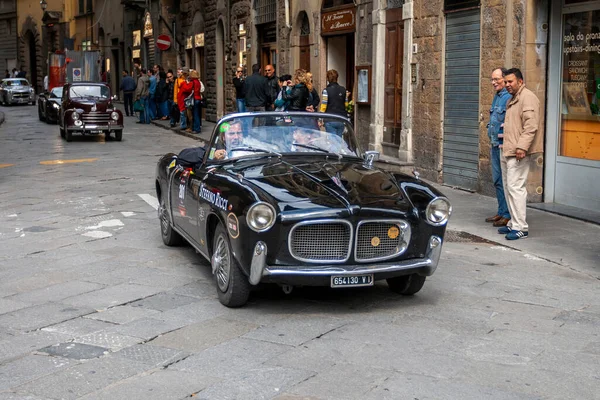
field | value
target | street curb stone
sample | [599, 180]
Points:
[180, 132]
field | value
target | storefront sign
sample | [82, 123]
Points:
[136, 53]
[199, 40]
[339, 21]
[137, 38]
[189, 43]
[147, 25]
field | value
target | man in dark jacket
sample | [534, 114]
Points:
[256, 90]
[240, 89]
[333, 101]
[272, 86]
[128, 87]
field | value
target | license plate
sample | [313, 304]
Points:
[352, 280]
[95, 131]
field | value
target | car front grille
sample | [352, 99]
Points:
[95, 118]
[20, 95]
[321, 241]
[379, 240]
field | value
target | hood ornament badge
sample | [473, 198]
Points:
[94, 108]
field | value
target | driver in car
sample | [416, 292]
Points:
[232, 136]
[303, 137]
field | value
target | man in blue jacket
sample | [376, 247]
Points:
[495, 133]
[152, 92]
[128, 86]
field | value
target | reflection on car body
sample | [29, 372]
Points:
[276, 198]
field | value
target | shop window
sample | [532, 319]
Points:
[266, 11]
[455, 5]
[580, 125]
[336, 3]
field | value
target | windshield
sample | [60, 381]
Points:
[101, 92]
[17, 82]
[283, 133]
[56, 93]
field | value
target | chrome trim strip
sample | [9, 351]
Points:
[429, 263]
[398, 223]
[320, 222]
[94, 127]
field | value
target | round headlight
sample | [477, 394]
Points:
[75, 115]
[260, 217]
[114, 115]
[55, 105]
[438, 211]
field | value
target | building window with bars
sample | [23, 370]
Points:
[266, 11]
[455, 5]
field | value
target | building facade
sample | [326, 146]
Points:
[8, 31]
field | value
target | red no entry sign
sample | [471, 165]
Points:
[163, 42]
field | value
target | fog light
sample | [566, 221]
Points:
[434, 242]
[78, 123]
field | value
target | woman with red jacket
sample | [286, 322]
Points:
[183, 90]
[198, 89]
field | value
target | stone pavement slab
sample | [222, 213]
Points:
[42, 315]
[147, 328]
[56, 292]
[157, 385]
[295, 330]
[111, 296]
[29, 368]
[23, 344]
[122, 314]
[78, 326]
[154, 356]
[163, 301]
[76, 381]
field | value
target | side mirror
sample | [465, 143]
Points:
[370, 157]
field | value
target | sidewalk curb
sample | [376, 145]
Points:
[180, 132]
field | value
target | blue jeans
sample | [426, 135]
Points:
[170, 105]
[241, 105]
[336, 128]
[495, 153]
[163, 109]
[197, 117]
[151, 107]
[144, 115]
[182, 119]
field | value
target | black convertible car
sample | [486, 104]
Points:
[49, 105]
[289, 198]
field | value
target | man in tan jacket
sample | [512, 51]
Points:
[522, 137]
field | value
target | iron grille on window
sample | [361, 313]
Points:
[266, 11]
[305, 27]
[395, 4]
[454, 5]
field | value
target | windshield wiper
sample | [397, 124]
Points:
[307, 146]
[255, 150]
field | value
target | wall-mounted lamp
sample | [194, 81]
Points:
[43, 4]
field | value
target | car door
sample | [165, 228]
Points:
[179, 194]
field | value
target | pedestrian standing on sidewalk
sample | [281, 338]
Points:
[184, 90]
[256, 90]
[240, 89]
[272, 87]
[198, 88]
[296, 92]
[522, 137]
[142, 94]
[170, 96]
[128, 88]
[313, 96]
[333, 101]
[495, 133]
[161, 96]
[280, 104]
[152, 93]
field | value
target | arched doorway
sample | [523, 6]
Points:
[220, 72]
[31, 59]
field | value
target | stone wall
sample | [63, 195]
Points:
[363, 39]
[427, 119]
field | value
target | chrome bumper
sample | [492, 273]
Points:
[259, 268]
[94, 127]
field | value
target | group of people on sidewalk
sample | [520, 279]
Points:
[515, 134]
[290, 93]
[159, 95]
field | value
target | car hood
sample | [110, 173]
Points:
[18, 88]
[88, 104]
[308, 183]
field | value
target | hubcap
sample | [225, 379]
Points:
[221, 263]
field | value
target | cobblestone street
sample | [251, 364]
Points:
[94, 306]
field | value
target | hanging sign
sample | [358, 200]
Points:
[189, 42]
[199, 40]
[147, 25]
[338, 21]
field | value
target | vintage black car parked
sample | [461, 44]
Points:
[289, 198]
[49, 105]
[88, 108]
[16, 91]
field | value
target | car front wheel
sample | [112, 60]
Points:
[119, 135]
[406, 285]
[68, 135]
[233, 287]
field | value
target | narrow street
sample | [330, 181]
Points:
[94, 306]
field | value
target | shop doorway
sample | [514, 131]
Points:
[340, 56]
[394, 61]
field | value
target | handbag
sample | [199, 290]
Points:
[189, 101]
[138, 106]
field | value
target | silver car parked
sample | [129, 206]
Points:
[16, 91]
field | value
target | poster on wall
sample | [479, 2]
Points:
[137, 38]
[576, 98]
